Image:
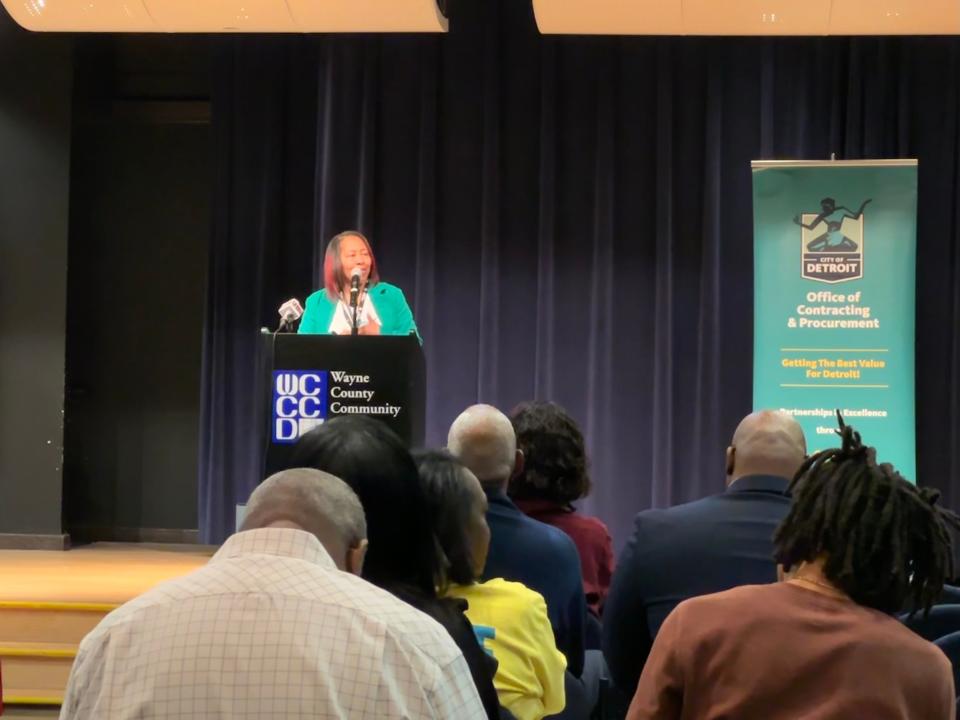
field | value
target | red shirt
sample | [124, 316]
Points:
[592, 539]
[782, 652]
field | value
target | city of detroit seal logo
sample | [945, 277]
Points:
[831, 242]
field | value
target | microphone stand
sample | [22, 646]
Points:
[285, 326]
[355, 322]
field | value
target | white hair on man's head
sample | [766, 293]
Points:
[482, 438]
[316, 501]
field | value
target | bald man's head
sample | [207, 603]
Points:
[482, 438]
[766, 442]
[317, 502]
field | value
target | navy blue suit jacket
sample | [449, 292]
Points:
[544, 559]
[702, 547]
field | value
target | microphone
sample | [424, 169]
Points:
[354, 296]
[355, 286]
[290, 312]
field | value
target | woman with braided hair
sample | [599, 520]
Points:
[860, 542]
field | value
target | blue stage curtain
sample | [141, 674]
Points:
[570, 218]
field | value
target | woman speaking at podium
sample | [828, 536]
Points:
[353, 297]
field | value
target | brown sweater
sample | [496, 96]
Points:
[781, 651]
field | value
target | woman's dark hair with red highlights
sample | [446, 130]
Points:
[333, 278]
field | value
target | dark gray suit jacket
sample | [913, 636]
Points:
[702, 547]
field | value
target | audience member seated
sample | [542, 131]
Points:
[522, 549]
[553, 476]
[702, 547]
[510, 619]
[403, 556]
[858, 541]
[263, 629]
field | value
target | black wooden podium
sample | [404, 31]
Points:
[313, 378]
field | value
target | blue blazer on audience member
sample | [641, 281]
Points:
[544, 559]
[702, 547]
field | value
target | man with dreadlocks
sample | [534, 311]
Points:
[858, 543]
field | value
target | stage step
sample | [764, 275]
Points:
[50, 600]
[49, 622]
[38, 643]
[35, 673]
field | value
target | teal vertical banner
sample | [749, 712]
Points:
[834, 297]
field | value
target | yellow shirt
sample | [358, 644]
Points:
[511, 622]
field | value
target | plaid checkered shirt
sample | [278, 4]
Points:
[269, 628]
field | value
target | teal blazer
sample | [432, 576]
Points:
[387, 299]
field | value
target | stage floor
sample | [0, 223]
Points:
[97, 573]
[50, 600]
